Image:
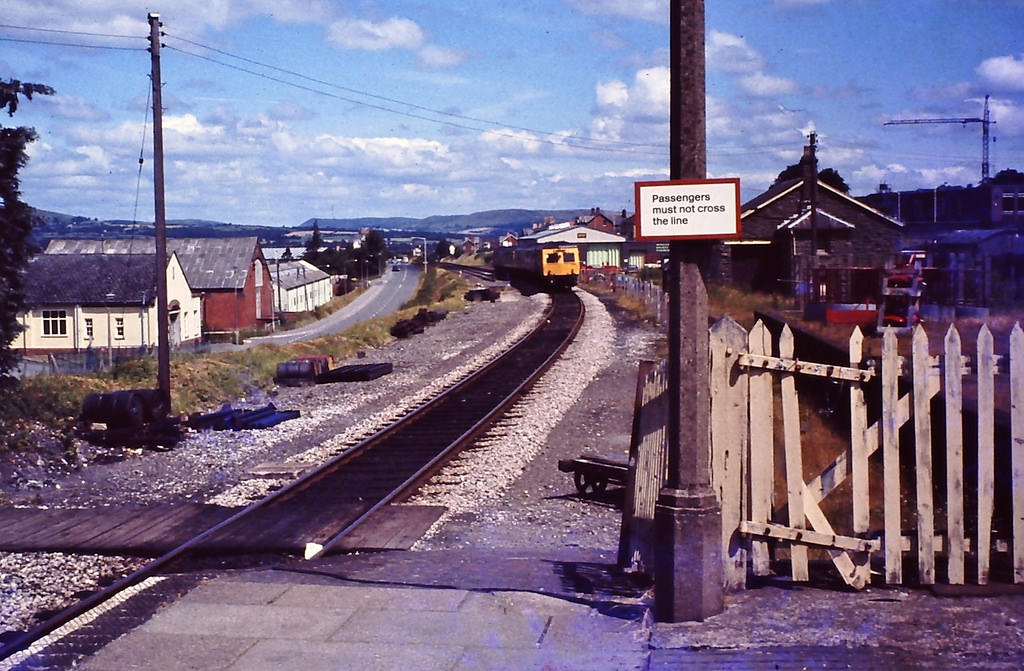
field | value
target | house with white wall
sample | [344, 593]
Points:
[82, 302]
[299, 286]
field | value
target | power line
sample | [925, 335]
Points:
[397, 101]
[78, 45]
[70, 32]
[413, 115]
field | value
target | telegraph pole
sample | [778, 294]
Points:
[163, 375]
[688, 571]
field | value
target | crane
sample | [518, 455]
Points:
[984, 121]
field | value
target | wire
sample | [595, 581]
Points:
[71, 44]
[138, 179]
[411, 115]
[70, 32]
[395, 100]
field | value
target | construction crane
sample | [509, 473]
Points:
[984, 121]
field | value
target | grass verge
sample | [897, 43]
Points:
[202, 382]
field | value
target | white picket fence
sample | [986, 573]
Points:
[748, 385]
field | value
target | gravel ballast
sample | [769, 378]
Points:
[485, 507]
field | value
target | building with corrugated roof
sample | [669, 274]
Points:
[230, 275]
[299, 286]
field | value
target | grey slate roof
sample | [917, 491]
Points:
[87, 279]
[295, 274]
[209, 263]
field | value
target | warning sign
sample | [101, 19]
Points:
[688, 209]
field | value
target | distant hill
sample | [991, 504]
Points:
[488, 222]
[50, 225]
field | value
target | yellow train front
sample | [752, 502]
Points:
[557, 267]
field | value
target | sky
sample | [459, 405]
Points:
[278, 111]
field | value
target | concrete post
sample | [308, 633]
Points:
[688, 568]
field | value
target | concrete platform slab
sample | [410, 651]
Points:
[247, 621]
[278, 655]
[144, 651]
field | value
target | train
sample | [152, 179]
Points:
[556, 266]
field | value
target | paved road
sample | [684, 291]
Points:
[385, 295]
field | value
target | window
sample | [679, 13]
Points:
[553, 257]
[1008, 202]
[55, 322]
[570, 257]
[119, 328]
[88, 328]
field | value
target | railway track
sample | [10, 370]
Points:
[326, 505]
[483, 273]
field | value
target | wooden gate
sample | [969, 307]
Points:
[771, 510]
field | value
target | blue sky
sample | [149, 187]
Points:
[278, 111]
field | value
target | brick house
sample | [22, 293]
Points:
[597, 221]
[230, 275]
[775, 252]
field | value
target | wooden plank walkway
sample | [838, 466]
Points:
[149, 531]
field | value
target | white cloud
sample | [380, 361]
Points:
[612, 94]
[1003, 72]
[648, 10]
[391, 33]
[434, 56]
[512, 141]
[1009, 117]
[954, 174]
[731, 53]
[762, 85]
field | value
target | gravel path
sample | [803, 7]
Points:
[506, 492]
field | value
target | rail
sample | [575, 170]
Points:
[510, 374]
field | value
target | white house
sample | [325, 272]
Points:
[299, 286]
[598, 248]
[80, 302]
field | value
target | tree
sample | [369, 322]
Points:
[443, 249]
[15, 218]
[1008, 177]
[314, 243]
[828, 176]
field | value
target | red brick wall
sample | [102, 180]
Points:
[229, 310]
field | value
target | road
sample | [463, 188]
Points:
[385, 295]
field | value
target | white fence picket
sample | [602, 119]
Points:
[986, 450]
[794, 457]
[891, 460]
[923, 459]
[729, 441]
[953, 382]
[858, 442]
[762, 444]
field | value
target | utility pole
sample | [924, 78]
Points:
[810, 175]
[163, 375]
[688, 566]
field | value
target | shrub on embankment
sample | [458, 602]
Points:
[201, 382]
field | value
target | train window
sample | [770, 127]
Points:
[553, 257]
[570, 257]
